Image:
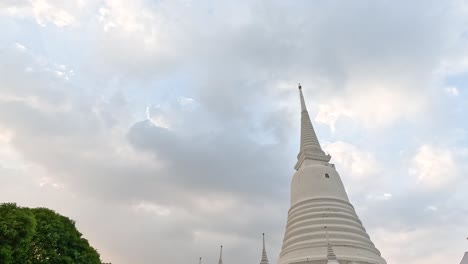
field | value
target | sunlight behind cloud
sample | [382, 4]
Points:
[452, 90]
[434, 168]
[155, 114]
[45, 13]
[372, 107]
[359, 164]
[329, 114]
[152, 208]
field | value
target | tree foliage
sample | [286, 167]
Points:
[17, 227]
[39, 235]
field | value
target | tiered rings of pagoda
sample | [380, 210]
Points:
[319, 203]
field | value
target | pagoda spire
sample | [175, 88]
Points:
[264, 254]
[220, 261]
[310, 146]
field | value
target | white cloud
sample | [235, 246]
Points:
[9, 158]
[20, 46]
[216, 204]
[431, 208]
[359, 164]
[452, 90]
[155, 114]
[45, 12]
[185, 101]
[372, 104]
[432, 253]
[137, 38]
[330, 113]
[130, 17]
[434, 167]
[379, 197]
[48, 181]
[153, 208]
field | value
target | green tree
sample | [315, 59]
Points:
[39, 235]
[17, 227]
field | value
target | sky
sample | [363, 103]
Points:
[168, 128]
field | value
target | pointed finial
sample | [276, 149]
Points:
[263, 240]
[301, 96]
[200, 261]
[221, 255]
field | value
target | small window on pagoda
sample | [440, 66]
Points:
[327, 176]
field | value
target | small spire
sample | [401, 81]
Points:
[331, 257]
[301, 97]
[199, 261]
[221, 256]
[310, 146]
[264, 259]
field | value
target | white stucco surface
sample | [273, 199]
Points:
[465, 259]
[319, 202]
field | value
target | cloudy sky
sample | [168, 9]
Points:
[167, 128]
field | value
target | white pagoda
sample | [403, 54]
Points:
[319, 200]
